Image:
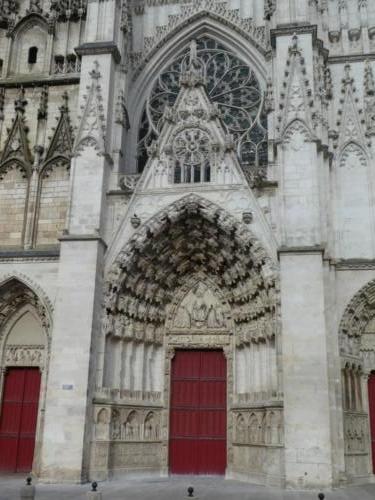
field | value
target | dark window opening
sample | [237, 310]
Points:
[197, 173]
[33, 55]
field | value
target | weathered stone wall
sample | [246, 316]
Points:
[13, 203]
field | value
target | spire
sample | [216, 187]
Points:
[296, 97]
[62, 140]
[16, 145]
[92, 126]
[350, 121]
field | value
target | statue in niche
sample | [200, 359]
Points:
[241, 429]
[200, 309]
[183, 319]
[131, 427]
[151, 429]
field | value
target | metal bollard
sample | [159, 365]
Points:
[190, 491]
[93, 494]
[27, 491]
[321, 496]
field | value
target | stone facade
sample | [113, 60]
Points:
[193, 174]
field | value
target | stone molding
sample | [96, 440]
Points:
[256, 35]
[294, 28]
[99, 48]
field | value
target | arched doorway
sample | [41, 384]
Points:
[192, 282]
[23, 358]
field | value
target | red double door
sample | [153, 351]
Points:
[18, 417]
[371, 399]
[198, 413]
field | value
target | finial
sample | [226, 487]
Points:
[64, 106]
[193, 74]
[193, 51]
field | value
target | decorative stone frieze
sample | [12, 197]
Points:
[24, 355]
[65, 10]
[263, 427]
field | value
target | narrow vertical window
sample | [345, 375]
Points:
[33, 55]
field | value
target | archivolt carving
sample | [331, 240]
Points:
[193, 12]
[191, 237]
[357, 316]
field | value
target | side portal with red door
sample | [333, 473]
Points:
[18, 418]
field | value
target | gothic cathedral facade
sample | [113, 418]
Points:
[187, 239]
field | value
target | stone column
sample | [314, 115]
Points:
[77, 325]
[308, 454]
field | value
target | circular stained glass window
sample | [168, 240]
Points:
[231, 84]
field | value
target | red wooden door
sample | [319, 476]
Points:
[198, 413]
[18, 418]
[371, 398]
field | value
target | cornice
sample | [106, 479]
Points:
[347, 59]
[29, 255]
[99, 48]
[302, 250]
[82, 237]
[294, 28]
[354, 265]
[50, 80]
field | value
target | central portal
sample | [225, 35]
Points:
[198, 418]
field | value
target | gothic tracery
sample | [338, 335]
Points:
[231, 85]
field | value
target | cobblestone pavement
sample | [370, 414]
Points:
[175, 488]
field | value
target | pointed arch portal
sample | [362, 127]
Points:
[193, 282]
[24, 343]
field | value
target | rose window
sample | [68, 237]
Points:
[230, 84]
[191, 149]
[191, 146]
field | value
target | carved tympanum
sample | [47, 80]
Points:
[200, 309]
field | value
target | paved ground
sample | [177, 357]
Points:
[208, 488]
